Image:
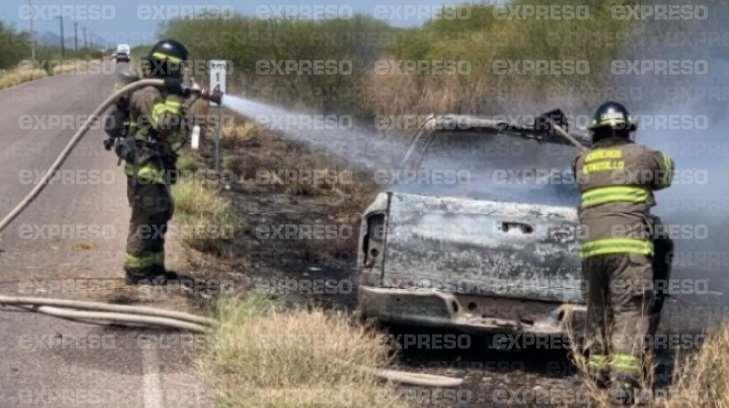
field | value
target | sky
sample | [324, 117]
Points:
[135, 21]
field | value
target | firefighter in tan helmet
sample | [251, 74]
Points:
[617, 178]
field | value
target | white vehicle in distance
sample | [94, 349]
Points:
[122, 53]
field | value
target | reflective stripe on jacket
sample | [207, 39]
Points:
[146, 173]
[613, 194]
[157, 120]
[617, 179]
[166, 113]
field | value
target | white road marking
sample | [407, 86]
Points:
[152, 381]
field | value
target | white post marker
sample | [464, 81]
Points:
[195, 138]
[218, 72]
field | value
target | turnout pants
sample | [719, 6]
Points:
[619, 295]
[152, 208]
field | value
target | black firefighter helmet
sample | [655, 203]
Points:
[612, 118]
[166, 59]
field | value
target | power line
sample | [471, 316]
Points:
[63, 42]
[32, 34]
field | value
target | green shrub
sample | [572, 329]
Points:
[14, 46]
[485, 41]
[188, 162]
[250, 43]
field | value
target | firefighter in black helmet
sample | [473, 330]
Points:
[612, 118]
[165, 60]
[156, 130]
[617, 178]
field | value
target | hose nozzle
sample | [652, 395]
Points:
[213, 95]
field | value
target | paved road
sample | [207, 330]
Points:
[68, 244]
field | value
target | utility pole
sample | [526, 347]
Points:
[75, 36]
[63, 43]
[32, 34]
[86, 41]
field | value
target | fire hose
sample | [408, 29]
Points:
[77, 310]
[80, 133]
[567, 136]
[82, 310]
[95, 312]
[91, 310]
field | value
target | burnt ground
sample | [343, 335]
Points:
[284, 253]
[302, 222]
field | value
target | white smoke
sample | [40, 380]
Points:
[685, 115]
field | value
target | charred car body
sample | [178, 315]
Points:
[483, 234]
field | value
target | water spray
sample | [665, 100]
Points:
[335, 134]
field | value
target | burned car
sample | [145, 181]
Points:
[481, 235]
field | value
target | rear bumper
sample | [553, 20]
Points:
[476, 314]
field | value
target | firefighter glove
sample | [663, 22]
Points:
[174, 86]
[126, 149]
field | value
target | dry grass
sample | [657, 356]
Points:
[597, 395]
[703, 379]
[263, 357]
[406, 94]
[600, 397]
[77, 67]
[402, 93]
[477, 45]
[236, 133]
[26, 71]
[19, 75]
[206, 220]
[700, 380]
